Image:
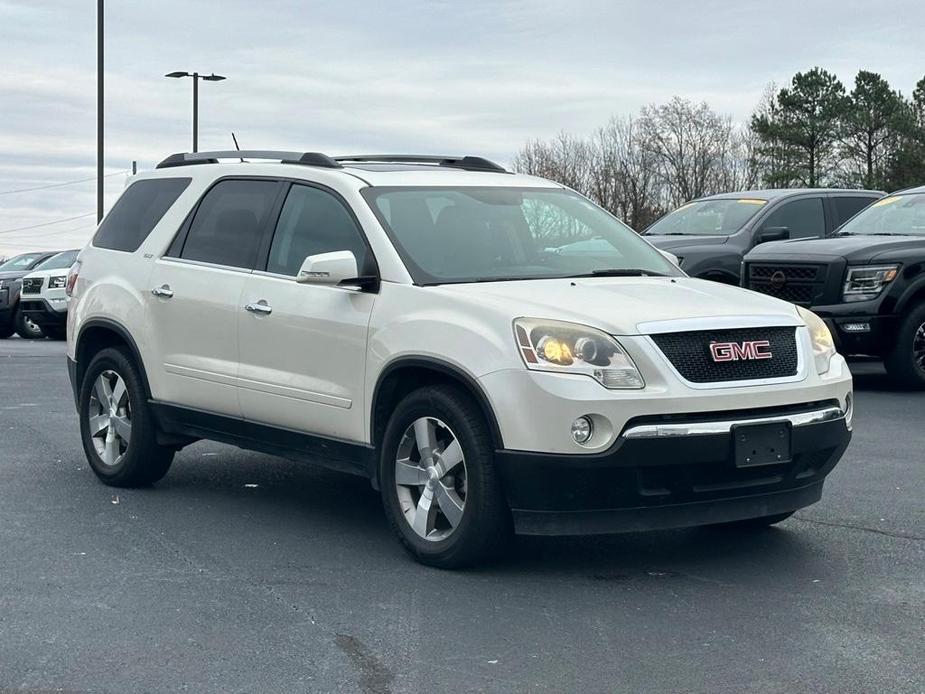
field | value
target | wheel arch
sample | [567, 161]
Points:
[913, 296]
[405, 374]
[99, 333]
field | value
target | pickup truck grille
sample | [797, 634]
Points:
[32, 285]
[692, 356]
[799, 284]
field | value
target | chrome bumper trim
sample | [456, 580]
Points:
[654, 431]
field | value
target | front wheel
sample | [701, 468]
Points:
[25, 327]
[116, 424]
[906, 362]
[438, 482]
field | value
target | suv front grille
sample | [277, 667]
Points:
[798, 284]
[691, 354]
[32, 285]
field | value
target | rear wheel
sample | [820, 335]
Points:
[116, 424]
[906, 362]
[25, 327]
[438, 481]
[6, 331]
[56, 333]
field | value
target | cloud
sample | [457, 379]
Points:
[476, 77]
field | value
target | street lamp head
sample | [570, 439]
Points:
[177, 74]
[213, 78]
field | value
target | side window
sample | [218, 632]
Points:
[804, 218]
[226, 228]
[313, 221]
[137, 212]
[846, 208]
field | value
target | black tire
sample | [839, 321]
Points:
[143, 461]
[906, 361]
[485, 528]
[756, 523]
[26, 329]
[56, 333]
[6, 331]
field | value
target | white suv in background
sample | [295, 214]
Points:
[43, 299]
[493, 351]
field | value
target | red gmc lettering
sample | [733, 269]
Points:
[740, 351]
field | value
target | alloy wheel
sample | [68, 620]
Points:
[430, 478]
[110, 418]
[918, 348]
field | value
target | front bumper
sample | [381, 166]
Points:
[43, 313]
[673, 471]
[860, 329]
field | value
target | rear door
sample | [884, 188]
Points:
[804, 218]
[844, 207]
[195, 294]
[303, 353]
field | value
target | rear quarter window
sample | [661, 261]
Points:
[137, 212]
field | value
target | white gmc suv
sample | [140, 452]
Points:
[493, 351]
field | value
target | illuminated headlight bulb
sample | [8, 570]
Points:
[554, 350]
[582, 429]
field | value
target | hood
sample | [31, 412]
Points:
[853, 248]
[56, 272]
[13, 274]
[670, 243]
[619, 305]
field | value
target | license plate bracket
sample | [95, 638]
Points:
[762, 444]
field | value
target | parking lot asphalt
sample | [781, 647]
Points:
[243, 572]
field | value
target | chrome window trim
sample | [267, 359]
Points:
[800, 419]
[204, 264]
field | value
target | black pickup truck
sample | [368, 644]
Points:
[710, 235]
[867, 281]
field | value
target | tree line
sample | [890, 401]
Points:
[811, 133]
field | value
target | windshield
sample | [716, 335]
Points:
[61, 261]
[896, 214]
[707, 218]
[481, 234]
[21, 262]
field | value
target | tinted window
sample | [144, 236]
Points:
[137, 212]
[226, 228]
[313, 222]
[846, 208]
[805, 218]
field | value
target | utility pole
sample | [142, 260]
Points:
[99, 111]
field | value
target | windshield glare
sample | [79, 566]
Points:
[707, 218]
[61, 261]
[896, 214]
[449, 235]
[20, 262]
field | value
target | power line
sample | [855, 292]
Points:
[58, 185]
[45, 224]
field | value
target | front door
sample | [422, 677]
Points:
[302, 346]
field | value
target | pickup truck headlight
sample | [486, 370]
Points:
[561, 347]
[57, 282]
[866, 283]
[821, 337]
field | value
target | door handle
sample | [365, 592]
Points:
[260, 308]
[164, 291]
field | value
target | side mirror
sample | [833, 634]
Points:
[671, 257]
[773, 234]
[338, 268]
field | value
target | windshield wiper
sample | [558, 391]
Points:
[622, 272]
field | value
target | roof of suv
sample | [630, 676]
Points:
[374, 170]
[777, 193]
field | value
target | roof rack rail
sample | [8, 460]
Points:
[306, 158]
[469, 163]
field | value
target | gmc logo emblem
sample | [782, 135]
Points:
[740, 351]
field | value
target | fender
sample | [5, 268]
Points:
[123, 333]
[916, 287]
[447, 369]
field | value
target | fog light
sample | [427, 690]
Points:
[856, 327]
[582, 428]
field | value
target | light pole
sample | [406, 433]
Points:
[99, 111]
[196, 77]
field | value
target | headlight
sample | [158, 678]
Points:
[821, 337]
[866, 283]
[560, 347]
[57, 282]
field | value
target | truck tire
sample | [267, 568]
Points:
[439, 486]
[905, 363]
[24, 326]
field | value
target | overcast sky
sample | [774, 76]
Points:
[438, 76]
